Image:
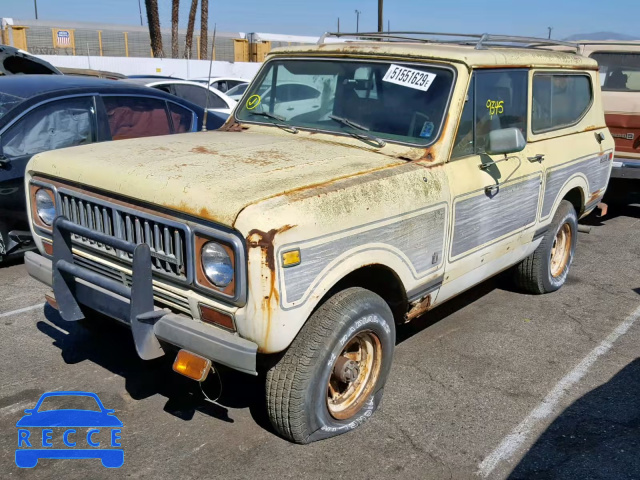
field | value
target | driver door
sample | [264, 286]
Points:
[495, 198]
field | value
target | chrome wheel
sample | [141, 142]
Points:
[354, 374]
[561, 251]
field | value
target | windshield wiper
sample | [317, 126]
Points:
[288, 128]
[361, 136]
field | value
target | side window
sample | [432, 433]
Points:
[496, 100]
[559, 100]
[134, 117]
[182, 118]
[57, 124]
[191, 93]
[500, 102]
[215, 101]
[302, 92]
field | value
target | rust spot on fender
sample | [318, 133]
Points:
[594, 196]
[264, 241]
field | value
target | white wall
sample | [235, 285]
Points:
[155, 66]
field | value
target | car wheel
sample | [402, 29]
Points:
[546, 269]
[331, 378]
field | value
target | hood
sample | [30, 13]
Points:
[212, 175]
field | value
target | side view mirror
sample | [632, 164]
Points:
[506, 140]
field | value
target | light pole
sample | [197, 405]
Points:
[549, 28]
[140, 8]
[35, 5]
[358, 12]
[380, 21]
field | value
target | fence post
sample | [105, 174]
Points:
[126, 44]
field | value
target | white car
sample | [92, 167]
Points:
[237, 91]
[224, 84]
[193, 92]
[293, 98]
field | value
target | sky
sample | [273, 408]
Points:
[306, 17]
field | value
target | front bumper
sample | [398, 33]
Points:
[74, 286]
[625, 168]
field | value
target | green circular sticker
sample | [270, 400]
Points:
[253, 101]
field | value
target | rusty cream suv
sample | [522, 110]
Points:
[293, 241]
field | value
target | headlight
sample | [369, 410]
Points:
[45, 207]
[216, 264]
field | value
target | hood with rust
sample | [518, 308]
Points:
[212, 175]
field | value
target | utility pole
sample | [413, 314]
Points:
[549, 28]
[139, 8]
[380, 21]
[35, 5]
[338, 24]
[388, 26]
[358, 12]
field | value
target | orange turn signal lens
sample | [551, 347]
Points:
[191, 365]
[48, 247]
[209, 315]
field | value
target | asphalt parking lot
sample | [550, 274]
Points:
[494, 384]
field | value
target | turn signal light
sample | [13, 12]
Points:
[209, 315]
[191, 365]
[51, 300]
[48, 248]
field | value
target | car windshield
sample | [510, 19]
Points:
[619, 71]
[238, 90]
[66, 402]
[396, 102]
[7, 102]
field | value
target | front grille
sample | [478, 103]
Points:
[167, 242]
[170, 299]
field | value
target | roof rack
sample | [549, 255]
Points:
[481, 41]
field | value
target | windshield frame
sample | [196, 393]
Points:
[364, 59]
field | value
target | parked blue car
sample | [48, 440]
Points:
[33, 447]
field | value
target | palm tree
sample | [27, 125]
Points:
[154, 27]
[190, 25]
[204, 20]
[175, 10]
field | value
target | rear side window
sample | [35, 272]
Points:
[559, 100]
[619, 71]
[135, 117]
[496, 100]
[182, 118]
[198, 95]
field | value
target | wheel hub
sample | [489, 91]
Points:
[560, 251]
[354, 375]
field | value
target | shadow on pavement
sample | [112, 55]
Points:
[597, 437]
[110, 345]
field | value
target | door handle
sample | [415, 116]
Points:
[289, 109]
[536, 158]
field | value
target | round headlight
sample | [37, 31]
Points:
[45, 207]
[216, 264]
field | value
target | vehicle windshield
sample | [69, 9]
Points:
[7, 102]
[237, 91]
[619, 71]
[401, 103]
[67, 402]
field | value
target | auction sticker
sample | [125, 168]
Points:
[408, 77]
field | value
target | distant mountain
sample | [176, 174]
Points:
[601, 36]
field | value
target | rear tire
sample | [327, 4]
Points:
[546, 269]
[331, 378]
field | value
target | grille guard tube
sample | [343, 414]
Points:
[142, 313]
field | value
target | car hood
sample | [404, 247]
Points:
[212, 175]
[69, 418]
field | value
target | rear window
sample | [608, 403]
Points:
[619, 71]
[559, 100]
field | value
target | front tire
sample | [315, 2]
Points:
[331, 378]
[546, 269]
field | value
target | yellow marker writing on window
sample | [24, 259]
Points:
[253, 101]
[495, 107]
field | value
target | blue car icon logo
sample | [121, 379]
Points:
[69, 433]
